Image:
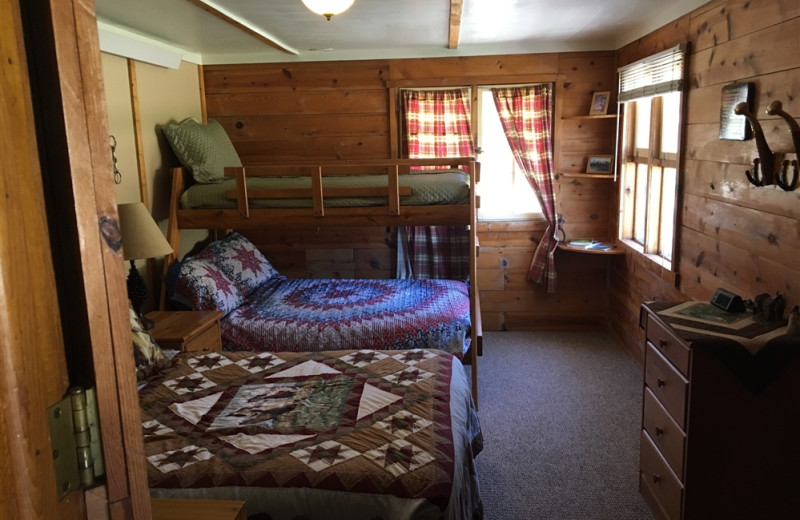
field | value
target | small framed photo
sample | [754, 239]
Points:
[599, 105]
[600, 164]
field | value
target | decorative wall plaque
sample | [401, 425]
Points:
[731, 126]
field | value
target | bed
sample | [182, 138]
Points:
[345, 193]
[350, 434]
[265, 311]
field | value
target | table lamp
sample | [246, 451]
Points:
[141, 238]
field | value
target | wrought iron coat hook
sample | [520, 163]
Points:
[766, 161]
[776, 108]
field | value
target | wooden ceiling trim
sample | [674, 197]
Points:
[252, 32]
[456, 8]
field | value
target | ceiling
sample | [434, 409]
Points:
[252, 31]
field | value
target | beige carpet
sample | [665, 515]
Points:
[560, 414]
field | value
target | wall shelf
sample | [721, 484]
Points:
[603, 116]
[616, 250]
[588, 175]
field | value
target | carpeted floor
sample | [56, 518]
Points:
[560, 413]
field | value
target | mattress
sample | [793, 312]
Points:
[297, 314]
[333, 435]
[448, 187]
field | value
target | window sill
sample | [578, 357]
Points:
[654, 263]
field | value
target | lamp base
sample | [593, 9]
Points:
[137, 292]
[147, 323]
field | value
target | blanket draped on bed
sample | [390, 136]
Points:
[336, 434]
[289, 314]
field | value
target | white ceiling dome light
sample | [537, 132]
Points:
[328, 8]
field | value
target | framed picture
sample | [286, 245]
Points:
[600, 164]
[599, 105]
[731, 126]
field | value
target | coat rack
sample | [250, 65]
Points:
[764, 172]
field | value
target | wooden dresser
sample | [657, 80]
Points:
[721, 417]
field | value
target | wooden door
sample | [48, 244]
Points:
[63, 304]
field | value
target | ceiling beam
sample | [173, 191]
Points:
[239, 25]
[456, 6]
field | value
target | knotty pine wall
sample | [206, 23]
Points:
[325, 111]
[732, 234]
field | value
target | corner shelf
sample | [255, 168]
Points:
[603, 116]
[588, 175]
[616, 250]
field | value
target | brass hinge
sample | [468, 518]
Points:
[75, 439]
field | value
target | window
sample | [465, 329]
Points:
[651, 97]
[505, 192]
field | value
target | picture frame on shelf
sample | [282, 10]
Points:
[600, 101]
[600, 164]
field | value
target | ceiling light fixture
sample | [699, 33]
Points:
[328, 8]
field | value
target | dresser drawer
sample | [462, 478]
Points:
[667, 384]
[658, 481]
[664, 432]
[670, 346]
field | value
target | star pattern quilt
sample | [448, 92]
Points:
[336, 434]
[289, 314]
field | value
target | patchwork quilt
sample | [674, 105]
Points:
[336, 434]
[290, 314]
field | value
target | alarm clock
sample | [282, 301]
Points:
[727, 301]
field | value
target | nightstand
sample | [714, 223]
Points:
[187, 330]
[191, 509]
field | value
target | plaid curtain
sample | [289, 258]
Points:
[525, 113]
[436, 123]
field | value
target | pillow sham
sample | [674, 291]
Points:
[147, 355]
[204, 149]
[205, 287]
[240, 260]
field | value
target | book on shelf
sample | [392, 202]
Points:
[589, 243]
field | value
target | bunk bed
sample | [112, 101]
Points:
[345, 193]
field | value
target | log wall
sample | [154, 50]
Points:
[731, 233]
[327, 111]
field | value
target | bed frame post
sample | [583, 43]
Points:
[179, 184]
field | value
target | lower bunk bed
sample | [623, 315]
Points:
[344, 434]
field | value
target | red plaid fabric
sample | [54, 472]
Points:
[525, 113]
[437, 124]
[438, 252]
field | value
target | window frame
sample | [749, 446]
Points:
[655, 162]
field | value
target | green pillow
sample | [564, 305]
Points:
[204, 149]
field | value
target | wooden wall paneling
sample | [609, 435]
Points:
[726, 182]
[723, 21]
[241, 78]
[732, 234]
[771, 50]
[474, 66]
[773, 236]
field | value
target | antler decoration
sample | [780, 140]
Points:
[765, 158]
[776, 108]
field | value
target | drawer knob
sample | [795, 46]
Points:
[660, 382]
[656, 478]
[662, 343]
[659, 431]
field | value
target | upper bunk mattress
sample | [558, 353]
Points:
[446, 187]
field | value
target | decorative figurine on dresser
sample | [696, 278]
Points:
[720, 432]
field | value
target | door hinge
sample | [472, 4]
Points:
[75, 439]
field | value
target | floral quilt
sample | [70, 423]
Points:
[289, 314]
[335, 434]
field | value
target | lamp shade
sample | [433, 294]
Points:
[141, 237]
[328, 8]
